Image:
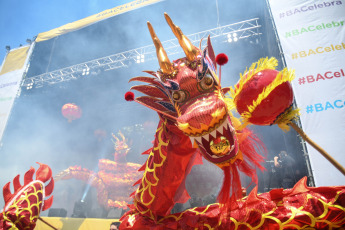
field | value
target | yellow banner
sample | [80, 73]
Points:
[94, 18]
[15, 60]
[74, 223]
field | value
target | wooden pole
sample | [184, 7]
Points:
[47, 223]
[318, 148]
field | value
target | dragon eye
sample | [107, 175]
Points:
[179, 96]
[206, 82]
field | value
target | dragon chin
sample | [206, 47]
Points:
[220, 145]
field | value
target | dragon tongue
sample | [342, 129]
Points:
[217, 140]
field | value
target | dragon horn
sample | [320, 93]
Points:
[115, 137]
[123, 137]
[162, 56]
[189, 49]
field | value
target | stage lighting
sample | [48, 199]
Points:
[86, 71]
[28, 41]
[79, 210]
[229, 38]
[140, 58]
[8, 48]
[235, 37]
[232, 37]
[29, 86]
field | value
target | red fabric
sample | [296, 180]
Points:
[23, 212]
[300, 207]
[272, 106]
[224, 193]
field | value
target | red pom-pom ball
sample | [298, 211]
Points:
[129, 96]
[222, 59]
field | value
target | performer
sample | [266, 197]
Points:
[114, 225]
[284, 164]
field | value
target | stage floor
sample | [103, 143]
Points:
[74, 223]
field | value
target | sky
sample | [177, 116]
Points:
[21, 20]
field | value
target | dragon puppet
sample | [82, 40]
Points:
[23, 207]
[113, 180]
[194, 121]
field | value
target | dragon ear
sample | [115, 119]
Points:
[158, 105]
[151, 91]
[210, 52]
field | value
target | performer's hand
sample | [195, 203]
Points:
[276, 163]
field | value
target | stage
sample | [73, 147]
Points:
[74, 223]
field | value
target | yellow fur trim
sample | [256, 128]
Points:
[283, 76]
[229, 103]
[284, 119]
[263, 63]
[238, 124]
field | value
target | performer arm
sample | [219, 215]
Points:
[276, 163]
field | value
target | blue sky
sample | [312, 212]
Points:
[22, 19]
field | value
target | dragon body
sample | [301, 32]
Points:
[195, 121]
[114, 178]
[23, 207]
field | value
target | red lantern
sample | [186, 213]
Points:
[71, 111]
[266, 110]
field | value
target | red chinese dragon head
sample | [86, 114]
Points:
[188, 92]
[121, 148]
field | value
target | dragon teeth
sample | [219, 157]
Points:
[197, 139]
[191, 139]
[220, 129]
[226, 124]
[214, 133]
[206, 137]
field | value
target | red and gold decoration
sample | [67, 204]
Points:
[71, 111]
[264, 96]
[194, 121]
[24, 205]
[301, 207]
[113, 180]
